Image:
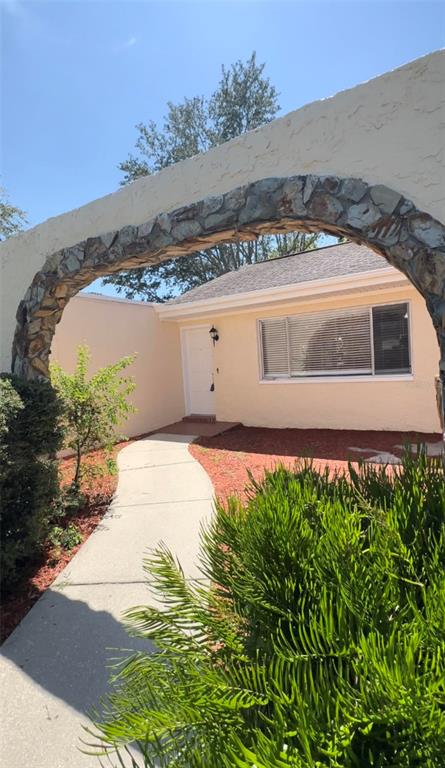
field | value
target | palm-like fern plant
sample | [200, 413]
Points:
[316, 637]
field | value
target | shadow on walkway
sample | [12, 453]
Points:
[67, 649]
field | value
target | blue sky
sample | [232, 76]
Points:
[78, 76]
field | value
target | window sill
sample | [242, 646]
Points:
[339, 379]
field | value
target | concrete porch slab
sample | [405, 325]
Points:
[199, 428]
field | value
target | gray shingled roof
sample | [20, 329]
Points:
[332, 261]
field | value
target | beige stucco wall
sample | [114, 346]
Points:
[353, 404]
[385, 131]
[113, 329]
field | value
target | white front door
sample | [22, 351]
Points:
[197, 355]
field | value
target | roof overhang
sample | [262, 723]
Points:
[387, 277]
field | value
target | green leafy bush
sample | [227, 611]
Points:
[93, 407]
[64, 538]
[29, 438]
[315, 639]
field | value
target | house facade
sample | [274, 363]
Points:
[334, 338]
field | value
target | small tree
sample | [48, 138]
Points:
[94, 407]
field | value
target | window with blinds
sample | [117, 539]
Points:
[346, 342]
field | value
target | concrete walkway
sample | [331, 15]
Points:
[53, 666]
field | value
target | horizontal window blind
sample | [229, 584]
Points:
[357, 341]
[275, 348]
[330, 342]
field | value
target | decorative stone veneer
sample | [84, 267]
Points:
[377, 216]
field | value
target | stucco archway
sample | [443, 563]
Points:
[382, 218]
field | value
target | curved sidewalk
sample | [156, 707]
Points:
[53, 666]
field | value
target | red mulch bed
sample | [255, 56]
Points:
[98, 488]
[226, 458]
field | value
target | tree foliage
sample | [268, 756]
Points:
[12, 219]
[315, 638]
[93, 407]
[243, 100]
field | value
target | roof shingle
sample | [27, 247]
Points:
[331, 261]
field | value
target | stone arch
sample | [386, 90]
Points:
[377, 216]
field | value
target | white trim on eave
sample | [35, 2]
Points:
[377, 278]
[116, 299]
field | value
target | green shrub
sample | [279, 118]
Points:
[64, 538]
[29, 438]
[93, 407]
[10, 407]
[315, 639]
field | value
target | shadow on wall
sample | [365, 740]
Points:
[67, 649]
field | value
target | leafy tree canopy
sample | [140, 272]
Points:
[243, 100]
[12, 219]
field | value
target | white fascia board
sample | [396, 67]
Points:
[385, 277]
[103, 297]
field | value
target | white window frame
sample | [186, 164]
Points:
[324, 378]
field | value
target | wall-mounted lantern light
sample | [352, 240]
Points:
[214, 335]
